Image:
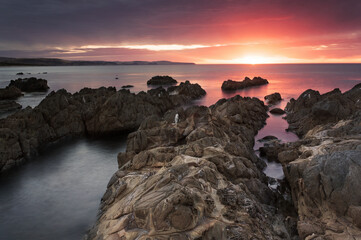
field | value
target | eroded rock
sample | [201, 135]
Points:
[231, 85]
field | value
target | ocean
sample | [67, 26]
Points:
[57, 194]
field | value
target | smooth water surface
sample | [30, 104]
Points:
[56, 196]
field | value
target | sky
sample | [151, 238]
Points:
[200, 31]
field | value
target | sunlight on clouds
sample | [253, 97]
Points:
[162, 47]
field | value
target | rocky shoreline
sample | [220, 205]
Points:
[91, 112]
[193, 173]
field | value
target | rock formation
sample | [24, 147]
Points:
[161, 80]
[231, 85]
[9, 105]
[273, 98]
[277, 111]
[195, 179]
[30, 84]
[127, 86]
[10, 93]
[90, 111]
[324, 167]
[312, 109]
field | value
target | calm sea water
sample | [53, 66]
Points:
[56, 196]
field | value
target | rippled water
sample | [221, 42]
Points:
[56, 196]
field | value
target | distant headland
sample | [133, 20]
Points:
[5, 61]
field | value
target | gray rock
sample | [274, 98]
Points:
[273, 98]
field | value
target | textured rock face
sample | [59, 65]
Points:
[30, 84]
[195, 179]
[312, 109]
[90, 111]
[231, 85]
[10, 93]
[161, 80]
[193, 91]
[273, 98]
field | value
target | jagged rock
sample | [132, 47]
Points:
[9, 93]
[127, 86]
[187, 89]
[9, 105]
[312, 109]
[30, 84]
[273, 98]
[231, 85]
[100, 111]
[195, 179]
[161, 80]
[323, 169]
[277, 111]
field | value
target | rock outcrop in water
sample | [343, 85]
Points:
[10, 93]
[273, 98]
[90, 111]
[9, 105]
[161, 80]
[324, 167]
[195, 179]
[30, 84]
[231, 85]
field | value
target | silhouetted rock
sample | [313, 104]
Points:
[161, 80]
[127, 86]
[277, 111]
[20, 73]
[231, 85]
[30, 84]
[10, 93]
[273, 98]
[9, 105]
[267, 138]
[195, 179]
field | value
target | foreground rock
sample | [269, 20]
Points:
[231, 85]
[10, 93]
[324, 167]
[312, 109]
[30, 84]
[197, 179]
[89, 112]
[273, 98]
[9, 105]
[192, 90]
[161, 80]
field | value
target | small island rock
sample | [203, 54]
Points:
[277, 111]
[30, 84]
[161, 80]
[273, 98]
[231, 85]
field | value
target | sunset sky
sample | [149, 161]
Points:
[200, 31]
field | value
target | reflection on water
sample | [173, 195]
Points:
[56, 196]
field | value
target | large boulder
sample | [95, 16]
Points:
[161, 80]
[10, 93]
[273, 98]
[312, 109]
[231, 85]
[196, 178]
[30, 84]
[194, 91]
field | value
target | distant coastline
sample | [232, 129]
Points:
[5, 61]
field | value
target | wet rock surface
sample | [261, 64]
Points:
[161, 80]
[93, 112]
[194, 178]
[231, 85]
[30, 84]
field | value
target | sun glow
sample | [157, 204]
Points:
[252, 59]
